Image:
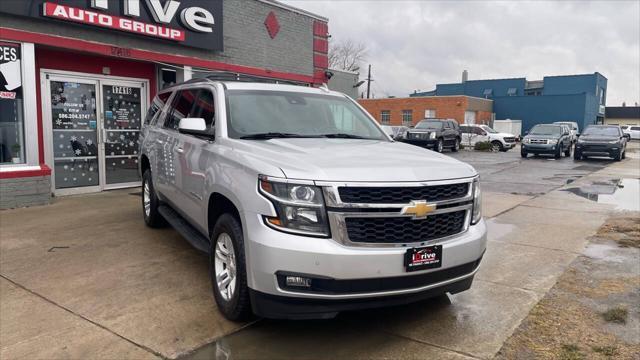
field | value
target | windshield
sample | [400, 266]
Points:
[253, 113]
[429, 125]
[546, 130]
[488, 129]
[602, 131]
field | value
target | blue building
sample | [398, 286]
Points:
[579, 98]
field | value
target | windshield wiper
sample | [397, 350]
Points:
[345, 136]
[274, 135]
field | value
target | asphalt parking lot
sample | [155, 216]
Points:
[84, 277]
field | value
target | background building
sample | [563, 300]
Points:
[579, 98]
[622, 115]
[408, 111]
[344, 82]
[77, 78]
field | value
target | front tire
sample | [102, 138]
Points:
[523, 153]
[558, 153]
[577, 155]
[227, 269]
[496, 145]
[439, 146]
[456, 145]
[150, 203]
[567, 152]
[619, 156]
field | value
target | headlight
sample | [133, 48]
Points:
[526, 141]
[581, 141]
[477, 203]
[552, 141]
[613, 142]
[432, 135]
[299, 207]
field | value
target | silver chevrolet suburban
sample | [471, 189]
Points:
[303, 204]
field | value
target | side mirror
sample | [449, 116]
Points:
[193, 126]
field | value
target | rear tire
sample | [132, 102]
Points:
[150, 203]
[227, 269]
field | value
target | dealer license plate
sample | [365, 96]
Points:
[428, 257]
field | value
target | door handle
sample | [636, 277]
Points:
[180, 150]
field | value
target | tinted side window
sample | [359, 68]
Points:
[181, 108]
[204, 107]
[156, 105]
[635, 128]
[464, 129]
[478, 131]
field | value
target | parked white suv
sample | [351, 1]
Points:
[472, 134]
[304, 205]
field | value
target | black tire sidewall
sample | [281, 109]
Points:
[238, 307]
[154, 219]
[440, 145]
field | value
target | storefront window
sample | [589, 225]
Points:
[11, 105]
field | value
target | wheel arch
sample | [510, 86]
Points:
[219, 204]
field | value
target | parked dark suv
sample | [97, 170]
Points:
[435, 134]
[547, 139]
[601, 140]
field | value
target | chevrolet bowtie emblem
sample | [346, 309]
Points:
[419, 209]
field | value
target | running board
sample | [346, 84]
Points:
[184, 228]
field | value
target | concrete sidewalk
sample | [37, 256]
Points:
[84, 278]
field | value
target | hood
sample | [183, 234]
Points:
[414, 130]
[504, 135]
[353, 160]
[598, 138]
[542, 136]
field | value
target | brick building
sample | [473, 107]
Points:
[77, 77]
[408, 111]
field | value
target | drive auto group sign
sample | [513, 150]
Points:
[196, 23]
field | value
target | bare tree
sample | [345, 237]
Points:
[347, 55]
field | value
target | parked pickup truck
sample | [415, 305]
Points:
[304, 205]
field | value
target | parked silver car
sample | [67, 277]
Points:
[305, 207]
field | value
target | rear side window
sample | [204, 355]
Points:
[464, 129]
[635, 128]
[156, 106]
[181, 107]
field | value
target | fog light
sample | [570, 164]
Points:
[298, 281]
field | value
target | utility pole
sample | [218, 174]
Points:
[369, 82]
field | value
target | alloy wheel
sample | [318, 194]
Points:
[225, 266]
[146, 197]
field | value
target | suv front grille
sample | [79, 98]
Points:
[510, 139]
[400, 195]
[404, 229]
[538, 141]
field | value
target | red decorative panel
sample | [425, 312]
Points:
[320, 45]
[272, 24]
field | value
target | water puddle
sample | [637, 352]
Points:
[604, 252]
[624, 194]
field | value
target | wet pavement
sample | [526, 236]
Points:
[113, 288]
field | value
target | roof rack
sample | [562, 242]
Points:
[238, 77]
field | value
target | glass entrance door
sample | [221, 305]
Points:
[74, 125]
[122, 116]
[94, 126]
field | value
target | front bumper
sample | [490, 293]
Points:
[540, 148]
[270, 252]
[428, 143]
[598, 149]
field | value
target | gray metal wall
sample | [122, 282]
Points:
[344, 82]
[246, 40]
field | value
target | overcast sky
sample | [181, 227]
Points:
[417, 44]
